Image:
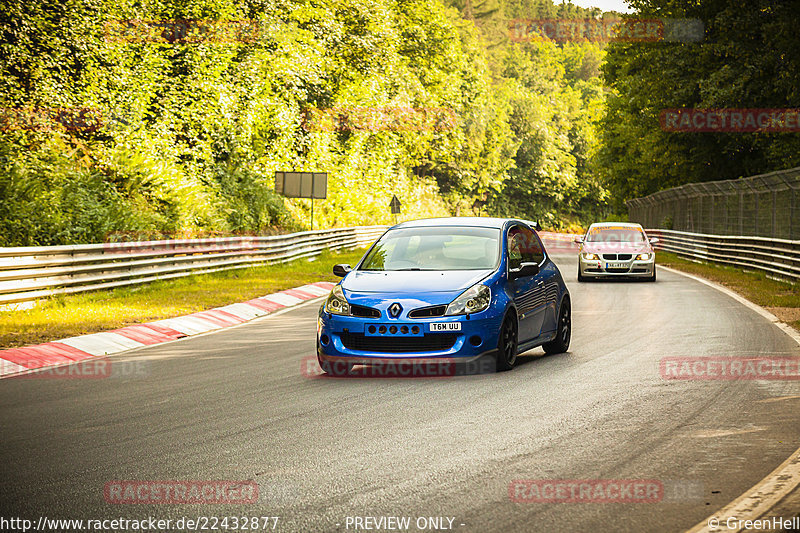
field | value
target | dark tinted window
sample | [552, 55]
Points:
[523, 247]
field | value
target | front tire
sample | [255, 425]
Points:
[653, 277]
[564, 330]
[507, 344]
[581, 277]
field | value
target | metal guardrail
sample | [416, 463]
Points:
[776, 257]
[33, 272]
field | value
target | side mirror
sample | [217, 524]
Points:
[654, 240]
[525, 270]
[579, 240]
[341, 270]
[537, 226]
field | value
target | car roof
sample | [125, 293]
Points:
[476, 222]
[616, 224]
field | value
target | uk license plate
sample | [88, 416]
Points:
[616, 265]
[445, 326]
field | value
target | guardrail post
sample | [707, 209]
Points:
[774, 210]
[755, 216]
[741, 212]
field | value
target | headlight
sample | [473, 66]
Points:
[643, 257]
[590, 257]
[337, 303]
[472, 300]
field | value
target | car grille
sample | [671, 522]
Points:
[427, 312]
[364, 312]
[617, 270]
[617, 257]
[436, 342]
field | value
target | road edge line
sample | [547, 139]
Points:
[60, 361]
[770, 491]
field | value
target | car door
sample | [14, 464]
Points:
[529, 292]
[550, 282]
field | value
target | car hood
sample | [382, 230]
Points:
[616, 248]
[412, 281]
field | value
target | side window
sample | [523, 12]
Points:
[523, 247]
[515, 246]
[535, 250]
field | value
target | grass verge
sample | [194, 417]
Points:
[780, 298]
[78, 314]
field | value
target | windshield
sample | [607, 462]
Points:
[437, 248]
[615, 234]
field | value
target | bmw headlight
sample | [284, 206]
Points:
[590, 257]
[472, 300]
[643, 257]
[337, 303]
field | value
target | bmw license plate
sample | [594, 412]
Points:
[616, 265]
[445, 326]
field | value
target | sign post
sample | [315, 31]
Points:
[302, 185]
[395, 205]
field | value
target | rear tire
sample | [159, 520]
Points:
[507, 344]
[563, 330]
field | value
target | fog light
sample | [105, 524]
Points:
[324, 339]
[404, 330]
[415, 330]
[372, 329]
[393, 330]
[382, 329]
[475, 340]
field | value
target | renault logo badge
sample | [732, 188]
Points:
[395, 309]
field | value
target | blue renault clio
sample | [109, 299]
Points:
[450, 289]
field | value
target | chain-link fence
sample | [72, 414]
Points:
[767, 205]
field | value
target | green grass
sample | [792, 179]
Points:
[77, 314]
[781, 298]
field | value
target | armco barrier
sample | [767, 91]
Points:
[32, 272]
[776, 257]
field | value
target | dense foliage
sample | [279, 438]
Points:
[553, 97]
[182, 135]
[748, 58]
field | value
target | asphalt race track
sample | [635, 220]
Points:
[238, 405]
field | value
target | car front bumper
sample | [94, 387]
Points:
[598, 268]
[356, 340]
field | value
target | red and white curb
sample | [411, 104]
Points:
[65, 351]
